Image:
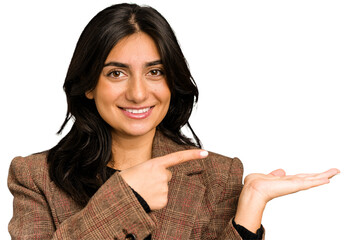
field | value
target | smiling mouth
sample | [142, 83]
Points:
[137, 111]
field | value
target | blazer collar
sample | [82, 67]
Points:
[163, 145]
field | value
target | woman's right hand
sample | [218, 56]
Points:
[150, 179]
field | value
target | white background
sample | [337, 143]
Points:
[279, 88]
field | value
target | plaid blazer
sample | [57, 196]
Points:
[203, 196]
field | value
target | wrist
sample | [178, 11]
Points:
[250, 210]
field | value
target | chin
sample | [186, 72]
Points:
[138, 132]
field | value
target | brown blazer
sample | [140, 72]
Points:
[203, 196]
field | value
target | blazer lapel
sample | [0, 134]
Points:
[186, 192]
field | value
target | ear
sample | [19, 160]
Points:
[89, 94]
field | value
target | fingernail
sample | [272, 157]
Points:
[204, 153]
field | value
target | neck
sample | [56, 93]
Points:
[129, 151]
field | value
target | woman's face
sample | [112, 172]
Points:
[132, 94]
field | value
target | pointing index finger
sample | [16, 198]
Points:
[175, 158]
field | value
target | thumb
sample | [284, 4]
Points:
[278, 173]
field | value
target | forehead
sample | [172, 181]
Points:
[136, 48]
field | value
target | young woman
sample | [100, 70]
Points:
[125, 170]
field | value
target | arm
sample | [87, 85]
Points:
[113, 211]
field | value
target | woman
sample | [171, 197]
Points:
[125, 170]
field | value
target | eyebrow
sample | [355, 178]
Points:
[123, 65]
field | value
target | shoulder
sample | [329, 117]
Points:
[31, 170]
[222, 177]
[221, 170]
[35, 163]
[218, 163]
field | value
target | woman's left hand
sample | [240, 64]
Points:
[277, 183]
[259, 189]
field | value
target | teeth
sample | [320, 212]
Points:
[137, 110]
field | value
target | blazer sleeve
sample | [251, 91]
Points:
[226, 207]
[112, 213]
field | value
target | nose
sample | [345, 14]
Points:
[137, 91]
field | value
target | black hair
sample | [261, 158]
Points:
[77, 164]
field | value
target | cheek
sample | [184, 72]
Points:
[167, 97]
[106, 93]
[164, 94]
[165, 102]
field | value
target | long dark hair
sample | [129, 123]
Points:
[77, 164]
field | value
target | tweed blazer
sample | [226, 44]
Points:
[203, 196]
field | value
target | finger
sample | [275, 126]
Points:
[331, 173]
[304, 175]
[278, 173]
[327, 174]
[315, 183]
[175, 158]
[320, 178]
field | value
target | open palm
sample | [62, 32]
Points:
[277, 183]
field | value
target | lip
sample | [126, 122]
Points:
[137, 112]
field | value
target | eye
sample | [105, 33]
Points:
[155, 72]
[115, 74]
